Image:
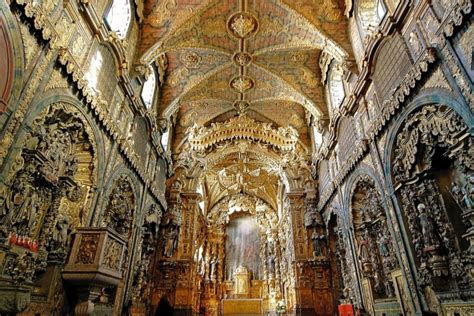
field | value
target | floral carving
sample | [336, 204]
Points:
[242, 59]
[242, 84]
[241, 106]
[242, 25]
[23, 267]
[191, 60]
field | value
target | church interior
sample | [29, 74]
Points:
[236, 157]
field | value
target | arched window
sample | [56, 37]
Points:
[165, 139]
[148, 91]
[317, 138]
[119, 16]
[370, 13]
[200, 190]
[336, 86]
[92, 74]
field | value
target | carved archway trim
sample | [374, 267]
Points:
[17, 57]
[115, 175]
[433, 97]
[430, 127]
[426, 98]
[362, 172]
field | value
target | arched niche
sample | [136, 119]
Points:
[121, 207]
[431, 170]
[229, 213]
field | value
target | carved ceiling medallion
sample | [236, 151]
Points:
[242, 84]
[242, 59]
[191, 60]
[242, 25]
[241, 106]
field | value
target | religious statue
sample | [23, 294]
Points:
[61, 233]
[161, 66]
[463, 196]
[170, 224]
[364, 252]
[24, 202]
[170, 235]
[271, 258]
[427, 225]
[318, 244]
[212, 267]
[383, 245]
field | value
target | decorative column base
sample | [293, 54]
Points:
[95, 264]
[14, 299]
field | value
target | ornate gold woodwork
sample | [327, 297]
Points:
[242, 127]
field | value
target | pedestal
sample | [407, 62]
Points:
[95, 264]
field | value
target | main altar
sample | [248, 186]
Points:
[241, 300]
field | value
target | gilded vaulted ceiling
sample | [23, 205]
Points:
[258, 56]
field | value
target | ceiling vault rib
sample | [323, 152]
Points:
[313, 109]
[157, 48]
[171, 108]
